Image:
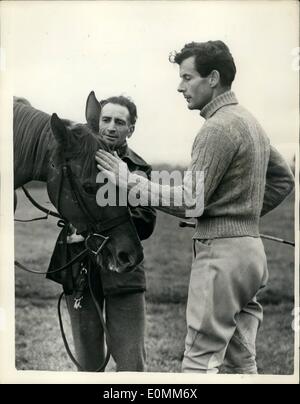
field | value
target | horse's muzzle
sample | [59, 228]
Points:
[127, 263]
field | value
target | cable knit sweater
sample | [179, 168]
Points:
[233, 150]
[243, 176]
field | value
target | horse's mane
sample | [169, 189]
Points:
[32, 134]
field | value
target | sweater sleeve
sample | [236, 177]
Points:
[279, 181]
[212, 154]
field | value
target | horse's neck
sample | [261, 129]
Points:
[32, 138]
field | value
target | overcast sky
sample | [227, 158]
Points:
[60, 51]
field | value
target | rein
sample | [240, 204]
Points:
[38, 206]
[99, 311]
[87, 252]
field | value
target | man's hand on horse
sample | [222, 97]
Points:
[113, 167]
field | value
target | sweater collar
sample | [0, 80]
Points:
[227, 98]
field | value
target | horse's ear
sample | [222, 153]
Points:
[59, 130]
[92, 112]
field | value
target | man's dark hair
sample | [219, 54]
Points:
[211, 55]
[125, 102]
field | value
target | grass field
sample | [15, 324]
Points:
[168, 259]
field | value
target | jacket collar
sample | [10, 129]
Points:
[227, 98]
[124, 152]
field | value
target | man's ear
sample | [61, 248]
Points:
[131, 130]
[92, 112]
[214, 79]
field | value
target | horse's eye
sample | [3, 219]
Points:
[90, 188]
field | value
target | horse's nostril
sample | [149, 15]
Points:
[123, 258]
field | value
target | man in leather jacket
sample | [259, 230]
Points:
[121, 295]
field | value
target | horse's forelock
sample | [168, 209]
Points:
[86, 138]
[83, 144]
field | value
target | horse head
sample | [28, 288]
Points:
[72, 188]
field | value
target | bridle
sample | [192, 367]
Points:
[93, 225]
[93, 231]
[93, 228]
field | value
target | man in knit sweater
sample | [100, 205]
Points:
[244, 178]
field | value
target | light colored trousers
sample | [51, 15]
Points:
[223, 315]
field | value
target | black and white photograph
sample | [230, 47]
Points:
[149, 196]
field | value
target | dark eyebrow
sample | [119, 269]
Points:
[186, 75]
[120, 120]
[117, 119]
